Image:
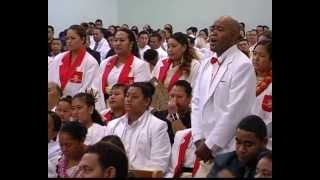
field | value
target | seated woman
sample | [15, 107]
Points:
[116, 103]
[262, 62]
[145, 137]
[83, 111]
[63, 109]
[180, 65]
[71, 138]
[125, 67]
[54, 125]
[104, 160]
[74, 70]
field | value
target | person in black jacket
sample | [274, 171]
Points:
[251, 140]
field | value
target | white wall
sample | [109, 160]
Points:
[180, 13]
[63, 13]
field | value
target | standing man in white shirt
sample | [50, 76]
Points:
[155, 43]
[100, 44]
[224, 94]
[143, 39]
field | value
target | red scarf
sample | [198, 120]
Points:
[68, 71]
[123, 78]
[264, 84]
[182, 152]
[163, 73]
[107, 117]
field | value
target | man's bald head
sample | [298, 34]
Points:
[226, 33]
[232, 24]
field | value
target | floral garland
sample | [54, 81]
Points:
[62, 169]
[264, 83]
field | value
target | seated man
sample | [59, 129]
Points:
[178, 113]
[144, 136]
[251, 140]
[116, 103]
[104, 160]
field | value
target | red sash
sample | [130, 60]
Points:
[68, 71]
[123, 77]
[107, 117]
[182, 152]
[266, 103]
[163, 73]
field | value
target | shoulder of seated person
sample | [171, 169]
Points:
[160, 114]
[224, 159]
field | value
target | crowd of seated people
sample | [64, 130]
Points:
[160, 103]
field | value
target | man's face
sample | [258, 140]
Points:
[154, 43]
[179, 96]
[252, 37]
[243, 46]
[98, 24]
[222, 36]
[143, 40]
[248, 145]
[90, 167]
[259, 30]
[97, 35]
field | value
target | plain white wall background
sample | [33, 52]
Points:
[63, 13]
[180, 13]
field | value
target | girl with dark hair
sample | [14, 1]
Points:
[64, 109]
[125, 67]
[144, 136]
[74, 70]
[181, 64]
[83, 111]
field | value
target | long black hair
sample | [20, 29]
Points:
[89, 100]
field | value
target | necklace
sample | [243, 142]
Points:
[62, 169]
[263, 83]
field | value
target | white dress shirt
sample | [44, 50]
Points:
[142, 50]
[103, 48]
[162, 54]
[95, 133]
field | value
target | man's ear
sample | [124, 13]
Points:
[110, 172]
[265, 141]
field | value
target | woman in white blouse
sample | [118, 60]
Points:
[125, 67]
